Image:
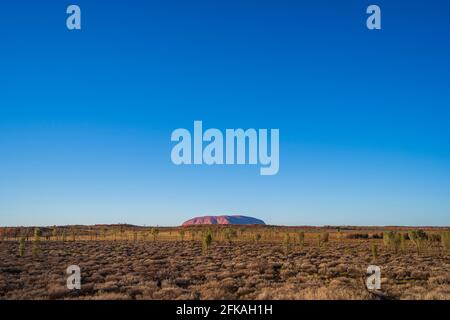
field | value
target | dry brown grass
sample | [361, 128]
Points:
[240, 269]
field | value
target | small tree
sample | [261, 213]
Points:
[63, 235]
[257, 237]
[104, 233]
[37, 241]
[207, 241]
[402, 241]
[55, 233]
[374, 252]
[91, 233]
[445, 240]
[287, 243]
[392, 240]
[396, 242]
[22, 246]
[182, 233]
[121, 231]
[386, 241]
[419, 238]
[324, 237]
[301, 239]
[154, 232]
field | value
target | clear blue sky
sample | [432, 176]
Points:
[86, 116]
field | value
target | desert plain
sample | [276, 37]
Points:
[224, 262]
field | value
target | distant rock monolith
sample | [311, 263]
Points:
[240, 220]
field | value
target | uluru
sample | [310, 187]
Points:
[239, 220]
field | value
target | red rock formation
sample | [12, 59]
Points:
[223, 220]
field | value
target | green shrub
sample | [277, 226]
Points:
[207, 241]
[445, 240]
[419, 238]
[392, 240]
[74, 234]
[386, 239]
[154, 232]
[257, 237]
[181, 233]
[22, 246]
[55, 233]
[322, 238]
[357, 236]
[402, 241]
[287, 243]
[374, 252]
[301, 239]
[37, 241]
[434, 237]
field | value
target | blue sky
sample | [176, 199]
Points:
[86, 116]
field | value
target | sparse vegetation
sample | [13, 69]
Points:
[207, 241]
[230, 234]
[154, 232]
[193, 234]
[182, 233]
[55, 233]
[445, 240]
[22, 246]
[419, 238]
[374, 252]
[322, 238]
[301, 239]
[434, 237]
[74, 235]
[37, 241]
[403, 237]
[269, 269]
[357, 236]
[287, 243]
[392, 240]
